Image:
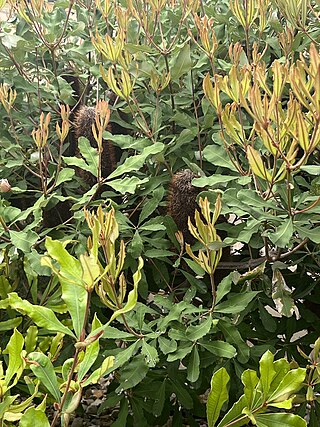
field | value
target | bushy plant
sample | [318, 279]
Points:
[227, 90]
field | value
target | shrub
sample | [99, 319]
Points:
[227, 93]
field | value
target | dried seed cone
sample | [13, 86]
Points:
[83, 127]
[182, 201]
[84, 119]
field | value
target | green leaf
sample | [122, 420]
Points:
[312, 234]
[150, 353]
[90, 154]
[291, 383]
[106, 366]
[217, 155]
[149, 208]
[233, 336]
[220, 348]
[236, 303]
[43, 369]
[65, 174]
[224, 287]
[115, 334]
[34, 417]
[235, 413]
[281, 367]
[133, 373]
[267, 372]
[250, 380]
[136, 245]
[311, 169]
[134, 163]
[284, 404]
[218, 395]
[195, 267]
[281, 237]
[122, 414]
[181, 352]
[268, 321]
[182, 64]
[193, 365]
[74, 293]
[196, 332]
[127, 184]
[23, 240]
[280, 420]
[211, 181]
[159, 400]
[9, 324]
[182, 394]
[42, 316]
[14, 349]
[167, 346]
[78, 162]
[158, 253]
[90, 355]
[124, 355]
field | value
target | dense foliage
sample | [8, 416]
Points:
[95, 277]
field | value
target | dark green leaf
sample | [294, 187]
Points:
[193, 368]
[182, 64]
[220, 348]
[236, 303]
[196, 332]
[133, 373]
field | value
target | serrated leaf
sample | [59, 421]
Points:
[224, 287]
[182, 351]
[14, 349]
[44, 371]
[90, 154]
[134, 163]
[182, 394]
[220, 348]
[232, 335]
[66, 174]
[182, 63]
[23, 240]
[127, 184]
[42, 316]
[211, 181]
[133, 373]
[159, 400]
[217, 155]
[196, 332]
[167, 346]
[150, 353]
[236, 303]
[281, 237]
